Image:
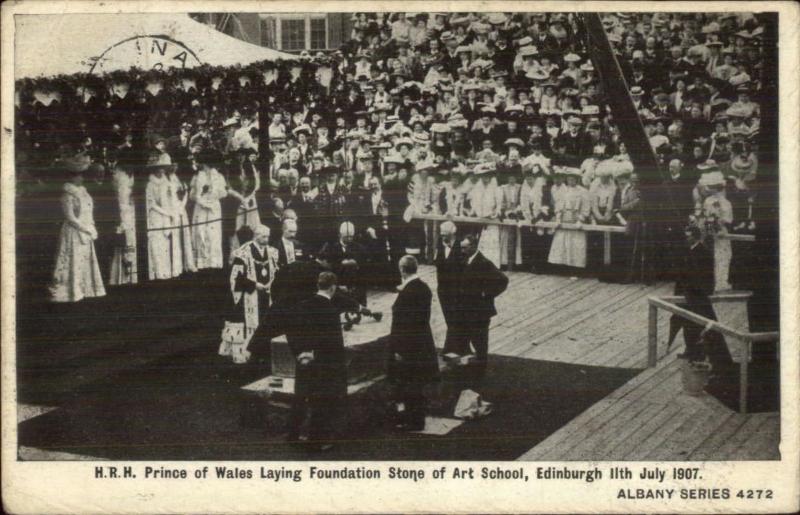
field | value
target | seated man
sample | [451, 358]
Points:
[346, 257]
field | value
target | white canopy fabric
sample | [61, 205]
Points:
[48, 45]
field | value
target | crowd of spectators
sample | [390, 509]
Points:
[486, 115]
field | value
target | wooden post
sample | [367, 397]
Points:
[743, 383]
[652, 335]
[606, 248]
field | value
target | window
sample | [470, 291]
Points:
[318, 33]
[293, 34]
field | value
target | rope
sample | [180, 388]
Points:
[195, 224]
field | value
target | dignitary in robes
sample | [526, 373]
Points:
[412, 352]
[449, 263]
[207, 188]
[480, 283]
[321, 373]
[77, 273]
[252, 272]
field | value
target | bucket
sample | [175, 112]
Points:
[694, 376]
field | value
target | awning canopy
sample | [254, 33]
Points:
[48, 45]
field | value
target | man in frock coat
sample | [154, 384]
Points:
[449, 263]
[321, 373]
[412, 352]
[479, 284]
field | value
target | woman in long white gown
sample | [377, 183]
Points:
[249, 183]
[718, 215]
[77, 272]
[207, 188]
[182, 254]
[123, 264]
[573, 207]
[486, 201]
[159, 219]
[510, 239]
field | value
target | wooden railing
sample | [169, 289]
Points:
[745, 339]
[607, 230]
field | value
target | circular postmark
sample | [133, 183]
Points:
[148, 52]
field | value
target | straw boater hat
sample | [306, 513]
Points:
[528, 51]
[708, 164]
[535, 74]
[158, 160]
[514, 142]
[482, 169]
[302, 128]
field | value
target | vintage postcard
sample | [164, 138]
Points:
[400, 257]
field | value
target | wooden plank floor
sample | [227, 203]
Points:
[586, 322]
[583, 321]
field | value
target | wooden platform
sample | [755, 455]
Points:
[584, 321]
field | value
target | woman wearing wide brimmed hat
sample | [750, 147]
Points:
[485, 203]
[160, 214]
[207, 188]
[77, 272]
[572, 206]
[718, 217]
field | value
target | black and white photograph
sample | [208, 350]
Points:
[390, 236]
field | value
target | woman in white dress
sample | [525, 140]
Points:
[77, 273]
[602, 193]
[246, 187]
[572, 206]
[123, 264]
[486, 201]
[718, 215]
[159, 218]
[182, 254]
[510, 237]
[207, 188]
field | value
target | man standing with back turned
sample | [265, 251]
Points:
[480, 283]
[321, 375]
[413, 361]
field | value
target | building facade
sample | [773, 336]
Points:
[287, 32]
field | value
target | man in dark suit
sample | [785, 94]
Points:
[449, 263]
[478, 286]
[289, 249]
[412, 352]
[321, 376]
[696, 284]
[347, 259]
